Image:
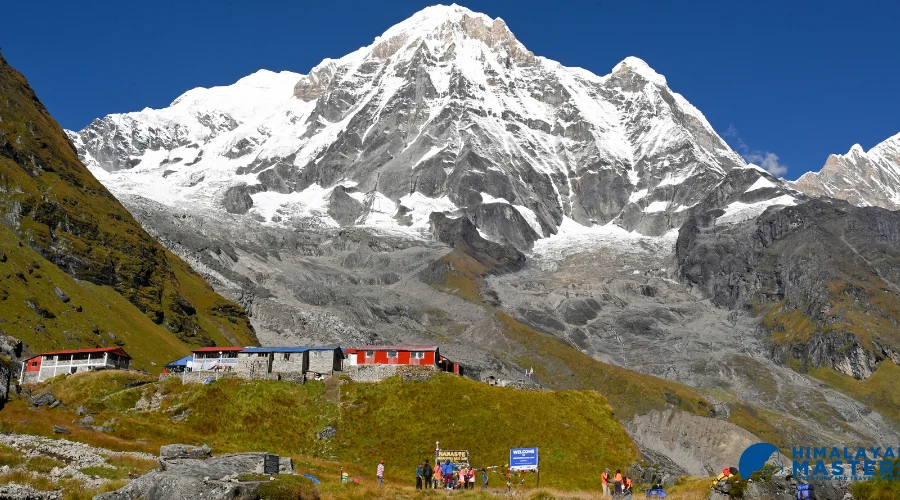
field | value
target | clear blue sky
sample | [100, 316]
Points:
[799, 79]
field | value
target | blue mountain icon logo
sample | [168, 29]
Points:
[755, 457]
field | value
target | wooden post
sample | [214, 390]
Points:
[539, 477]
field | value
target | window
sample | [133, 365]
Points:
[369, 354]
[34, 363]
[287, 356]
[392, 354]
[417, 355]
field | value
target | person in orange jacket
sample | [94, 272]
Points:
[617, 482]
[604, 480]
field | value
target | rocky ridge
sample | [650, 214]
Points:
[863, 178]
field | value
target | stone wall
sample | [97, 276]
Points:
[377, 373]
[251, 367]
[324, 361]
[295, 364]
[199, 377]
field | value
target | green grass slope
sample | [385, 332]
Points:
[52, 205]
[395, 420]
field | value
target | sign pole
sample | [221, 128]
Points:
[539, 478]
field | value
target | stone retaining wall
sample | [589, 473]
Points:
[377, 373]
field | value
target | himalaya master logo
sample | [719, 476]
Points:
[856, 463]
[755, 457]
[826, 463]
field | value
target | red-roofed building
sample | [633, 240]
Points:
[216, 358]
[50, 364]
[415, 355]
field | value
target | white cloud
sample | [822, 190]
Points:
[770, 162]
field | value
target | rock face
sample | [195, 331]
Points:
[445, 112]
[700, 446]
[823, 273]
[863, 178]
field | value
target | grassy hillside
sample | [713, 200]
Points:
[87, 315]
[396, 420]
[58, 210]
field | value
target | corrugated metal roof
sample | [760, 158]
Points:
[276, 349]
[116, 350]
[181, 362]
[397, 348]
[219, 349]
[288, 349]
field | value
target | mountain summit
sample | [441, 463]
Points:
[444, 112]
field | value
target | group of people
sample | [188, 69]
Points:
[448, 476]
[621, 485]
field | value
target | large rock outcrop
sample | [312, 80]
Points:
[823, 276]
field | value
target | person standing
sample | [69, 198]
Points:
[484, 479]
[419, 474]
[448, 475]
[471, 478]
[427, 471]
[604, 479]
[379, 473]
[617, 482]
[438, 475]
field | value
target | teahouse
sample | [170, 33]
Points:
[50, 364]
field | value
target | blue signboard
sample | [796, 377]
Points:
[523, 458]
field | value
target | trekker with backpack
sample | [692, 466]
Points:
[656, 491]
[805, 491]
[427, 471]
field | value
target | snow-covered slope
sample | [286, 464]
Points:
[863, 178]
[445, 111]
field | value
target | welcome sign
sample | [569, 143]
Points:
[523, 459]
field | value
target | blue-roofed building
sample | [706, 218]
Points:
[180, 365]
[289, 362]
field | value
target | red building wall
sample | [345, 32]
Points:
[34, 364]
[403, 358]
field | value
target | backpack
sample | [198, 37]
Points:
[804, 492]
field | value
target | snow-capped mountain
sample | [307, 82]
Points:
[864, 178]
[445, 112]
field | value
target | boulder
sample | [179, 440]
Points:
[176, 451]
[328, 433]
[61, 295]
[60, 430]
[42, 399]
[87, 421]
[81, 410]
[193, 478]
